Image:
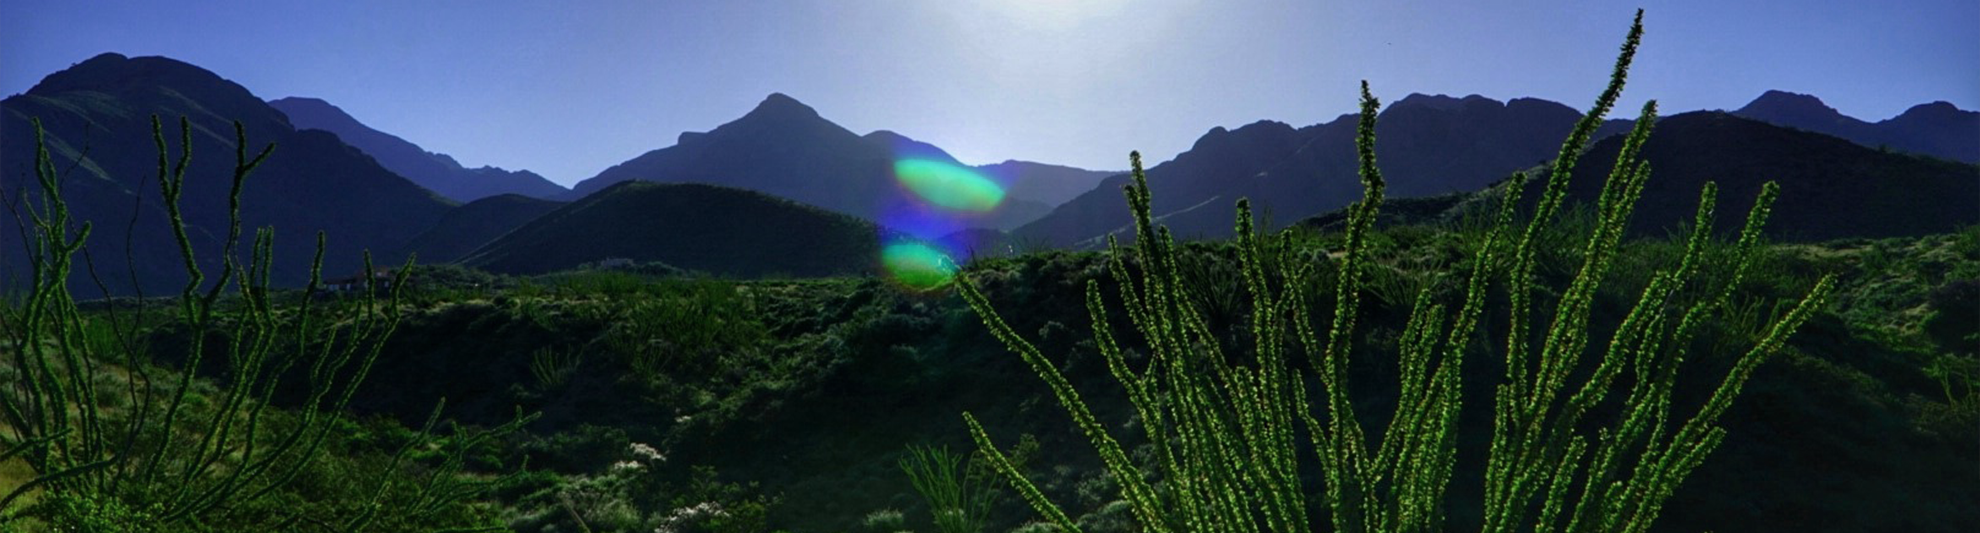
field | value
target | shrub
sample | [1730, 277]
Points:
[681, 329]
[1955, 312]
[885, 521]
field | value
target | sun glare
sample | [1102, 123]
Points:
[1053, 14]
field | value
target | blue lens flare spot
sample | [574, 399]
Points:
[918, 265]
[949, 185]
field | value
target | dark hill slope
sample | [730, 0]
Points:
[1045, 183]
[476, 223]
[439, 172]
[312, 181]
[719, 230]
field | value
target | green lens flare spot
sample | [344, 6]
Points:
[948, 185]
[918, 266]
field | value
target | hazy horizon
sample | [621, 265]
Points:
[567, 91]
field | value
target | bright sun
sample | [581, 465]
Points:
[1053, 14]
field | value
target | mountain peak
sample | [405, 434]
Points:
[887, 136]
[1442, 102]
[114, 72]
[318, 114]
[778, 105]
[107, 57]
[1938, 108]
[1775, 102]
[1263, 131]
[904, 147]
[303, 101]
[1787, 96]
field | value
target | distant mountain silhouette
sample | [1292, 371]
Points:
[1024, 198]
[1830, 188]
[435, 171]
[720, 230]
[1046, 183]
[311, 182]
[785, 149]
[1428, 145]
[901, 146]
[782, 147]
[1937, 129]
[476, 223]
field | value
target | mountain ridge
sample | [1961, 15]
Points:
[436, 171]
[1429, 144]
[785, 148]
[1938, 129]
[1831, 188]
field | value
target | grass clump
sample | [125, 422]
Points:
[958, 497]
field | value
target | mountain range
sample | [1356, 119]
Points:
[1433, 145]
[370, 190]
[1830, 188]
[437, 172]
[1428, 145]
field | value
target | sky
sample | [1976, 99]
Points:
[569, 88]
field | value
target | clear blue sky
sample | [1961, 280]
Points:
[570, 88]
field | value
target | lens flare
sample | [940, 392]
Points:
[917, 265]
[949, 185]
[931, 218]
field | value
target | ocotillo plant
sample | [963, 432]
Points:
[162, 453]
[1225, 430]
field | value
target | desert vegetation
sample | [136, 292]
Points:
[117, 442]
[1225, 428]
[1523, 364]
